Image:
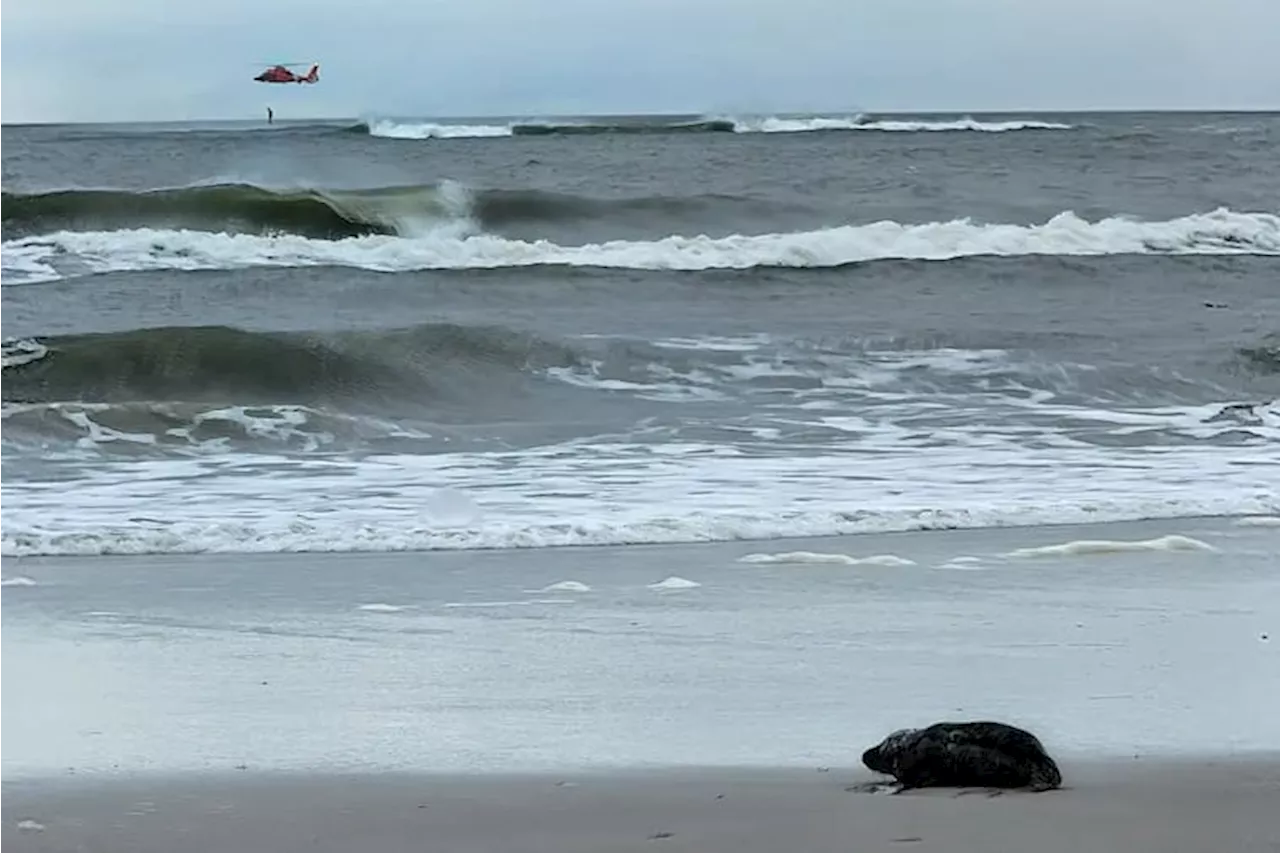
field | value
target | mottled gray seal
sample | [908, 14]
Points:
[961, 755]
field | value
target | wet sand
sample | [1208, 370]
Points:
[1130, 806]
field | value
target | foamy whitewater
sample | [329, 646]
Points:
[1219, 232]
[571, 332]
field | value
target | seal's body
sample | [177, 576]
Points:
[960, 755]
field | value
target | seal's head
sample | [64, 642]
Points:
[883, 757]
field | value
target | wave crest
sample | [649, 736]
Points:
[446, 208]
[413, 366]
[327, 214]
[1222, 232]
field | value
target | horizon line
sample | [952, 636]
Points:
[662, 114]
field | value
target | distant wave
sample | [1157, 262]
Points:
[432, 128]
[1221, 232]
[323, 213]
[414, 129]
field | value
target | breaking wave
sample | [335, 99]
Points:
[475, 128]
[68, 253]
[415, 365]
[240, 208]
[329, 214]
[983, 437]
[411, 129]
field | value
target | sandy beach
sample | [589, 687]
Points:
[702, 698]
[1139, 806]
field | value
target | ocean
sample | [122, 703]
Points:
[413, 335]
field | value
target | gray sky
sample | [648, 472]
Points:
[119, 60]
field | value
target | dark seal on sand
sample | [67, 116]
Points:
[962, 755]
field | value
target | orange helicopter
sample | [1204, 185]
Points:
[282, 74]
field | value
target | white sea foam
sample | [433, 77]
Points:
[489, 604]
[95, 434]
[716, 343]
[1082, 547]
[462, 604]
[18, 581]
[212, 429]
[379, 607]
[678, 389]
[27, 263]
[906, 397]
[1219, 232]
[584, 493]
[22, 351]
[836, 375]
[566, 586]
[814, 557]
[389, 129]
[1259, 521]
[966, 563]
[674, 582]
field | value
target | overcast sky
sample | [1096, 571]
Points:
[119, 60]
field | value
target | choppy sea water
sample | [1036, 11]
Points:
[411, 334]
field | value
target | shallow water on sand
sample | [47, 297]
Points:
[1152, 638]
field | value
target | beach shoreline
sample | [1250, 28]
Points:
[1169, 805]
[965, 536]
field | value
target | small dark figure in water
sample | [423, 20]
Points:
[963, 755]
